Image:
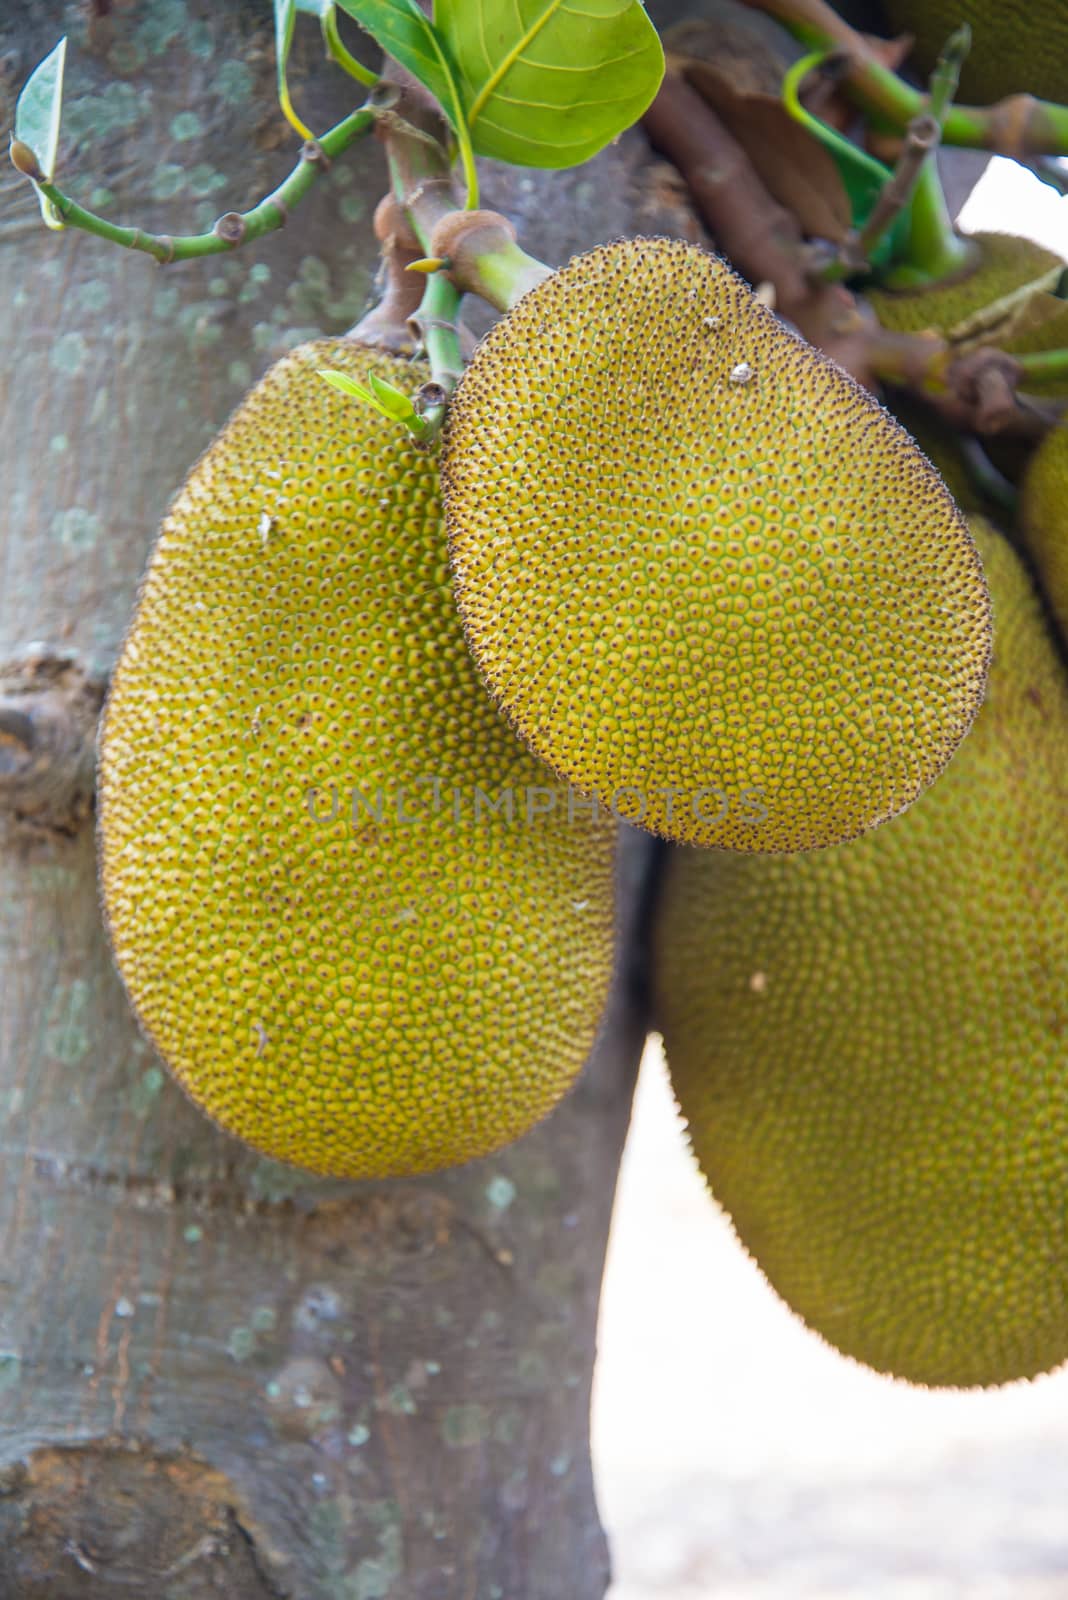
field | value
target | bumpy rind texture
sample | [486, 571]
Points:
[1018, 46]
[710, 580]
[1044, 520]
[346, 957]
[870, 1045]
[981, 305]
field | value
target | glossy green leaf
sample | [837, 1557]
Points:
[37, 118]
[391, 399]
[548, 83]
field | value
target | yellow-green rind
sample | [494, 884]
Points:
[981, 305]
[709, 579]
[1043, 519]
[870, 1045]
[942, 448]
[1018, 46]
[1043, 329]
[406, 983]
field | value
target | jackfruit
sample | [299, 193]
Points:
[1044, 519]
[1018, 46]
[709, 579]
[870, 1045]
[1044, 328]
[346, 955]
[981, 306]
[941, 446]
[1005, 301]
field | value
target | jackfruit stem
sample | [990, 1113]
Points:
[505, 276]
[1018, 126]
[484, 257]
[479, 246]
[434, 324]
[935, 249]
[271, 213]
[387, 325]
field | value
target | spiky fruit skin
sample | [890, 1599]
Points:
[1008, 271]
[942, 449]
[1018, 46]
[870, 1045]
[403, 984]
[1044, 519]
[710, 580]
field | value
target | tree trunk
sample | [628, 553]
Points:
[217, 1374]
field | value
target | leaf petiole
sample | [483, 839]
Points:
[338, 52]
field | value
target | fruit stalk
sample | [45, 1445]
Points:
[387, 326]
[765, 242]
[479, 247]
[935, 249]
[435, 323]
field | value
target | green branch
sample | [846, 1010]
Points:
[436, 321]
[934, 250]
[1034, 127]
[1043, 364]
[236, 227]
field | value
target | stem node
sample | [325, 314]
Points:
[231, 227]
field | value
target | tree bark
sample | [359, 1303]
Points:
[217, 1374]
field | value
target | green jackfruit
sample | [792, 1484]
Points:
[1018, 46]
[942, 447]
[1044, 519]
[1007, 302]
[343, 898]
[870, 1044]
[982, 306]
[709, 578]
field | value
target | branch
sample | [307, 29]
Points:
[1018, 126]
[764, 241]
[476, 249]
[235, 227]
[387, 326]
[435, 322]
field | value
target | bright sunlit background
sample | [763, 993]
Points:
[737, 1456]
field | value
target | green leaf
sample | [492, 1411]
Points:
[38, 110]
[548, 83]
[405, 34]
[37, 118]
[389, 402]
[391, 399]
[285, 17]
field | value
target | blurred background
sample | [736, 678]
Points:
[737, 1456]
